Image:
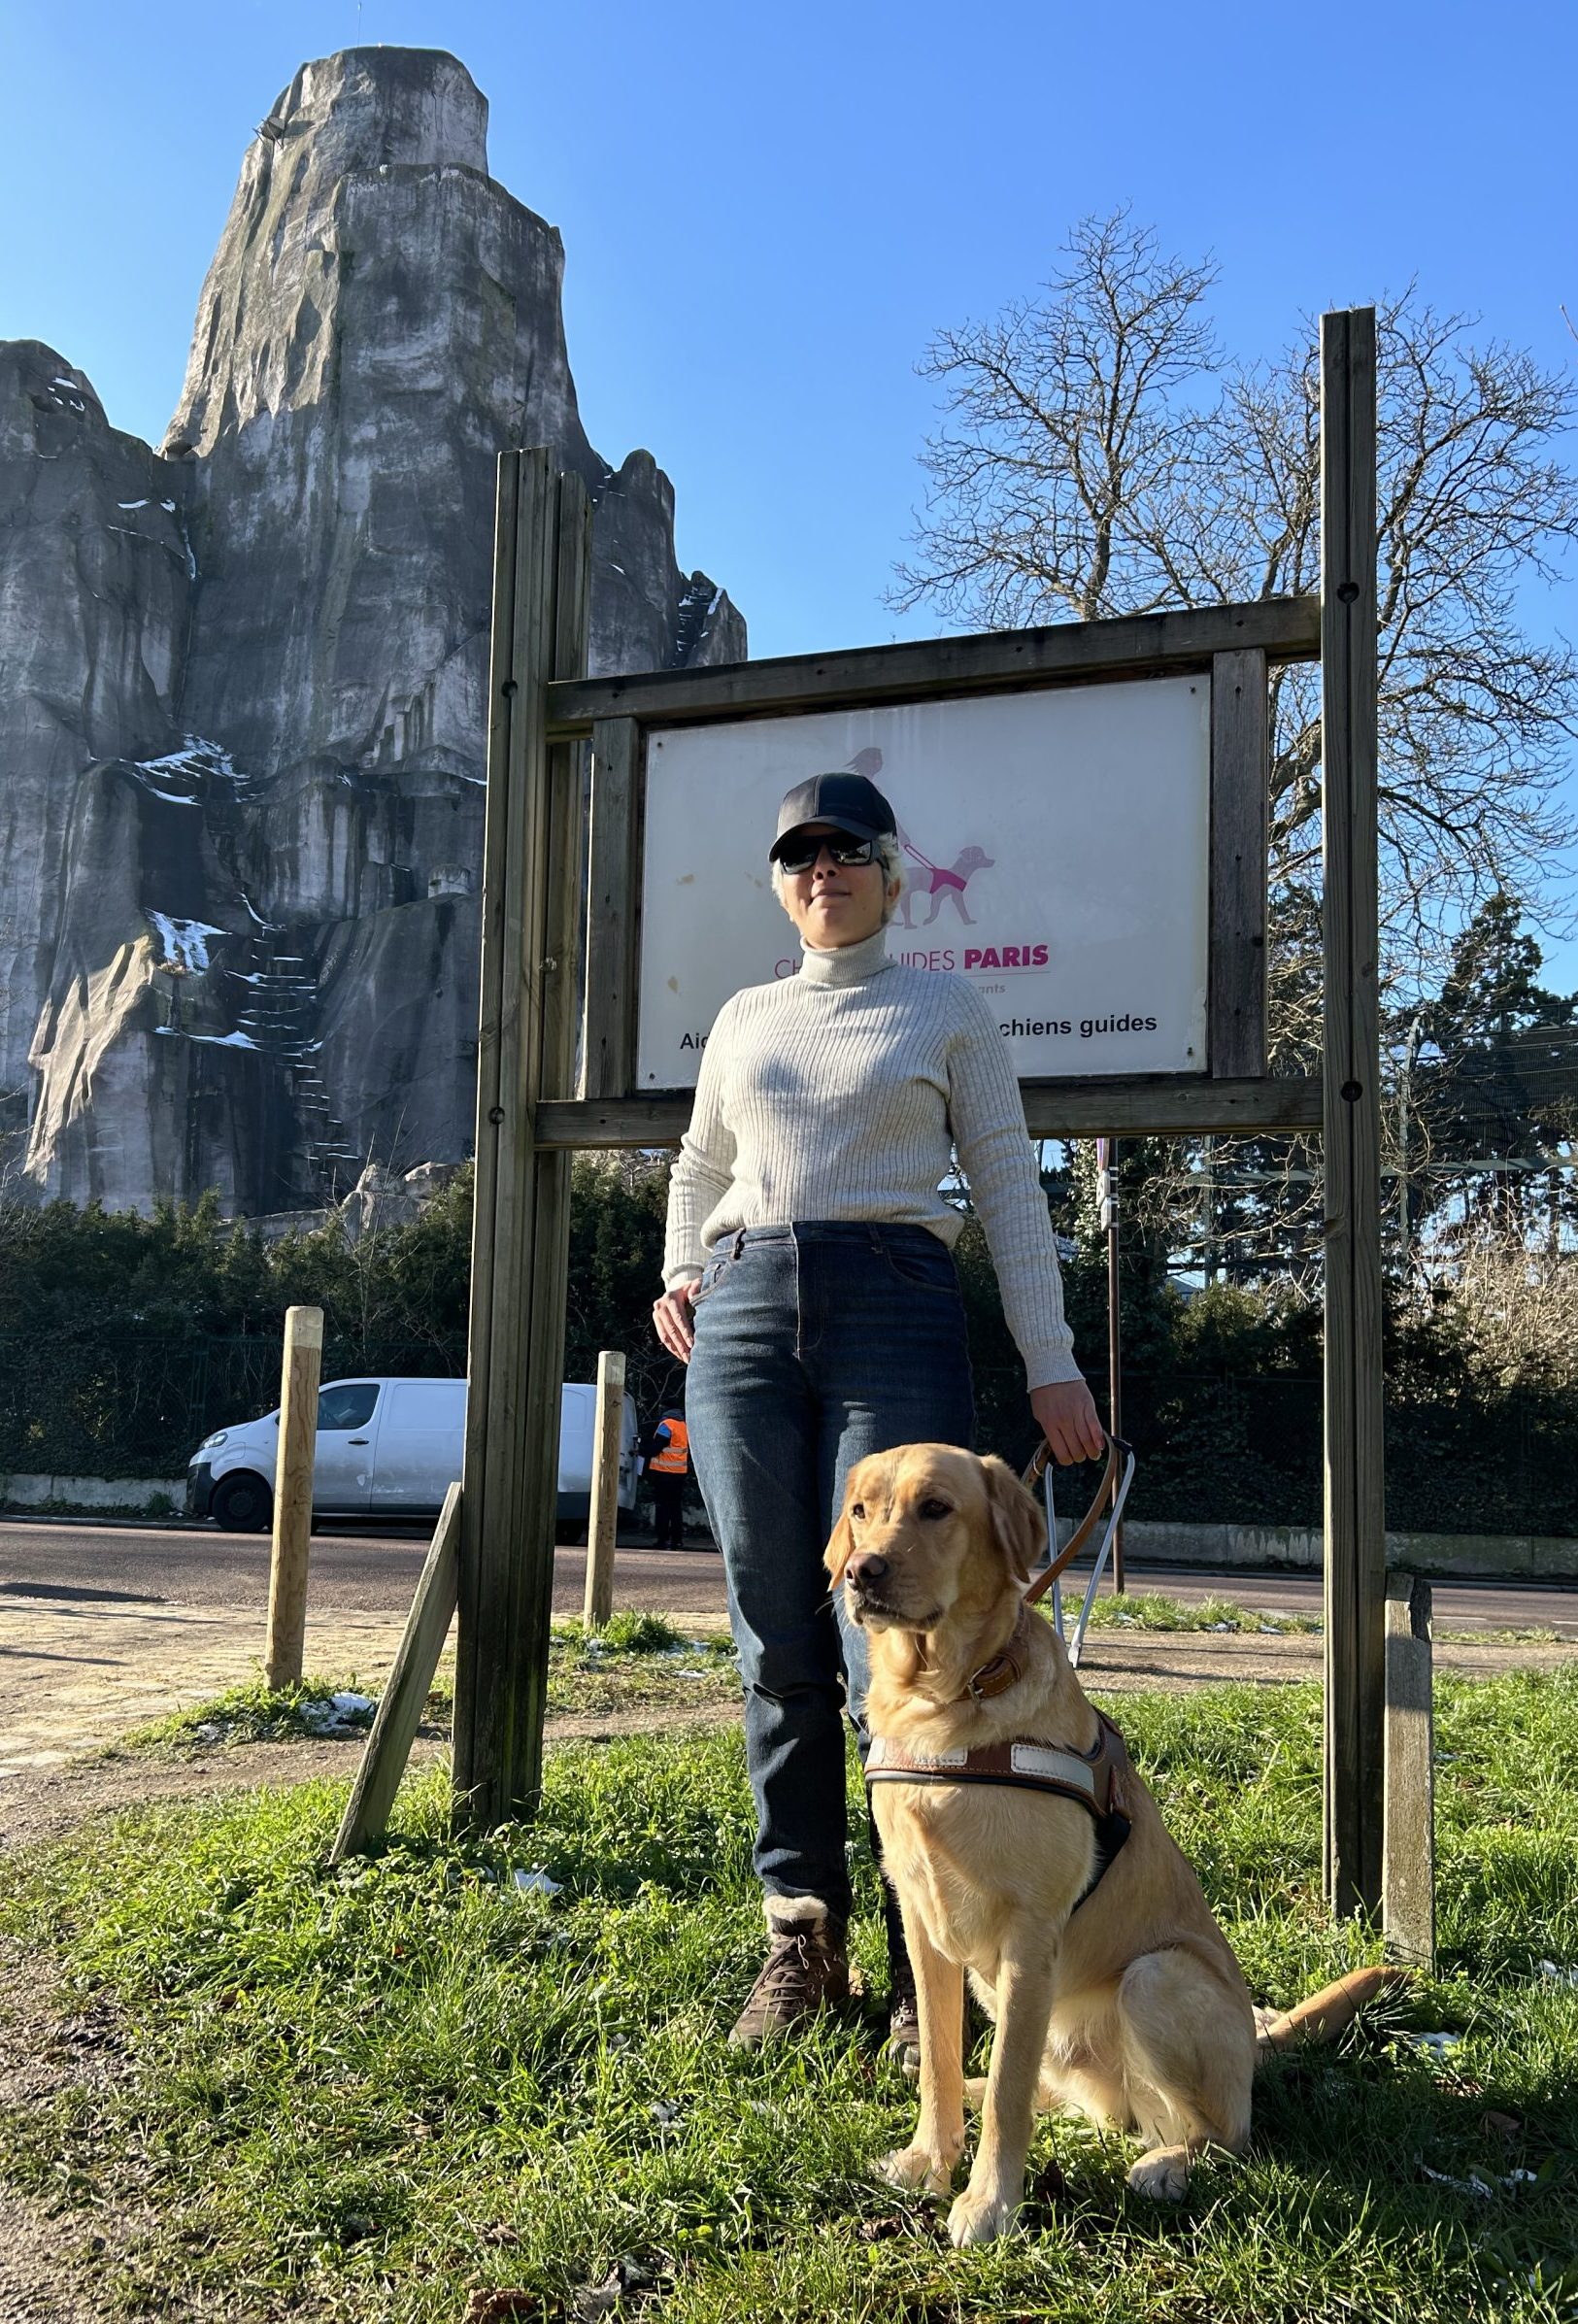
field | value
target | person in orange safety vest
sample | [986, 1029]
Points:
[668, 1468]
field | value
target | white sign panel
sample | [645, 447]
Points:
[1057, 849]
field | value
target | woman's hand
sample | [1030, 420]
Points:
[1069, 1423]
[673, 1322]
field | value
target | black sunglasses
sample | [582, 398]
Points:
[846, 850]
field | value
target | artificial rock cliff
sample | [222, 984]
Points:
[243, 679]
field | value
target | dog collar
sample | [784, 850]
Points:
[1005, 1670]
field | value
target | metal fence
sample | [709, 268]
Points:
[140, 1408]
[1248, 1450]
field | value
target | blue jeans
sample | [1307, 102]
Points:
[815, 1344]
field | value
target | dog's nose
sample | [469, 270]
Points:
[869, 1568]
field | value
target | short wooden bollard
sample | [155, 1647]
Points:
[293, 1495]
[608, 1436]
[1408, 1823]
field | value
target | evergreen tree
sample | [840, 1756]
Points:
[1487, 1093]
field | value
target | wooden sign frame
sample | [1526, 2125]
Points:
[1233, 645]
[534, 1109]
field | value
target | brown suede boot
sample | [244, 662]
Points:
[805, 1970]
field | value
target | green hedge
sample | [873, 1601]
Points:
[126, 1340]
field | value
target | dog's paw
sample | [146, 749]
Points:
[920, 2168]
[979, 2217]
[1163, 2175]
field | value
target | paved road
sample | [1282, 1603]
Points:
[360, 1574]
[376, 1574]
[104, 1628]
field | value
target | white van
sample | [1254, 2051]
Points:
[386, 1448]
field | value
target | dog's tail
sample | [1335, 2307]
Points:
[1323, 2015]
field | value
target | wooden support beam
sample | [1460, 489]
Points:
[1182, 1104]
[1136, 646]
[613, 909]
[603, 1517]
[1408, 1871]
[1355, 1496]
[293, 1466]
[1240, 837]
[405, 1694]
[527, 1016]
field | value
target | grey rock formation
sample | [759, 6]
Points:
[242, 710]
[95, 599]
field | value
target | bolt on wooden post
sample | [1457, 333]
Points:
[293, 1495]
[604, 1514]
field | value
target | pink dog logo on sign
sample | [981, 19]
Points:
[943, 883]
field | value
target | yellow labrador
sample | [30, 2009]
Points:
[1052, 1882]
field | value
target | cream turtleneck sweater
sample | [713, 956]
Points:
[843, 1092]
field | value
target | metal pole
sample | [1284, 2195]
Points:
[1405, 1098]
[1107, 1156]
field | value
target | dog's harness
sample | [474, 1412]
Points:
[1092, 1779]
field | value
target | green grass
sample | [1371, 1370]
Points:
[642, 1663]
[359, 2096]
[1149, 1609]
[638, 1662]
[252, 1714]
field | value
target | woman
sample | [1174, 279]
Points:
[812, 1290]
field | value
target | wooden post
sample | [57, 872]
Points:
[604, 1515]
[608, 1044]
[293, 1495]
[1240, 840]
[1354, 1498]
[532, 898]
[400, 1706]
[1408, 1874]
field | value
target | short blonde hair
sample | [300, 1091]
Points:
[889, 855]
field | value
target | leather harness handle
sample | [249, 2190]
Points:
[1118, 1452]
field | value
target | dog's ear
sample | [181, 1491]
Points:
[841, 1548]
[1016, 1519]
[839, 1551]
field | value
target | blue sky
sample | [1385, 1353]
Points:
[767, 210]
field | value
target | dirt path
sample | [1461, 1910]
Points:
[44, 2255]
[77, 1774]
[77, 1675]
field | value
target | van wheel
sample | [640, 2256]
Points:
[242, 1503]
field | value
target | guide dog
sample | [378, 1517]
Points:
[1026, 1851]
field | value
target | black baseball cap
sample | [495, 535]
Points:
[848, 801]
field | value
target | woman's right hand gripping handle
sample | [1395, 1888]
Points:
[674, 1321]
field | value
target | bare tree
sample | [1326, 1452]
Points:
[1512, 1311]
[1099, 455]
[1069, 443]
